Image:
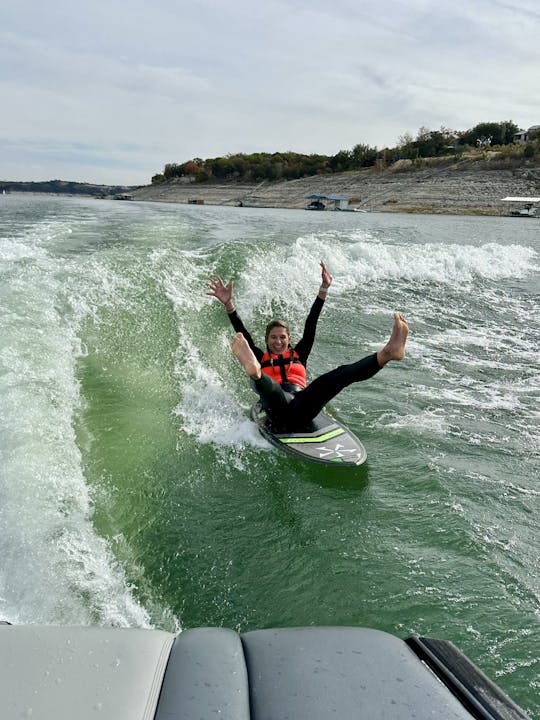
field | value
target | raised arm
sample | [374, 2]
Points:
[224, 293]
[303, 348]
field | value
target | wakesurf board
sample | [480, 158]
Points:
[324, 440]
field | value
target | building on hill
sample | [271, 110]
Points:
[523, 135]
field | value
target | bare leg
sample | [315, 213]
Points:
[395, 347]
[245, 356]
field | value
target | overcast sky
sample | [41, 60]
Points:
[108, 91]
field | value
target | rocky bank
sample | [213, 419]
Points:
[467, 187]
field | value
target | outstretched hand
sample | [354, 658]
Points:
[326, 278]
[219, 290]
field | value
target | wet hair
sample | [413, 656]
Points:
[272, 325]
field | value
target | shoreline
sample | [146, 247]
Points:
[469, 186]
[449, 190]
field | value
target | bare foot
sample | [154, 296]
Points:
[245, 356]
[395, 347]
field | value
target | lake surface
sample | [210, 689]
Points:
[135, 491]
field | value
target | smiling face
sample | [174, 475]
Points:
[278, 339]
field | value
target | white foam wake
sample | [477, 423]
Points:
[55, 568]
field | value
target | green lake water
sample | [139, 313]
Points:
[135, 491]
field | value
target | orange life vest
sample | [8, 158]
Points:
[285, 368]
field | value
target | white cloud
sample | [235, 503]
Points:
[110, 92]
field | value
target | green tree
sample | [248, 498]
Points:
[501, 133]
[363, 156]
[340, 161]
[203, 175]
[406, 146]
[171, 170]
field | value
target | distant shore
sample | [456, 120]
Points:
[458, 189]
[468, 186]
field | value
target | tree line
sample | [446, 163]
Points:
[257, 167]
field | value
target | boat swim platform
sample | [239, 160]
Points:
[310, 673]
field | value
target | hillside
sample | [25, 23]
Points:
[475, 186]
[64, 187]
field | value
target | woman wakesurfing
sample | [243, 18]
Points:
[279, 371]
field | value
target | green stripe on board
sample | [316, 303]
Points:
[320, 438]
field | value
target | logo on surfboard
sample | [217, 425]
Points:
[339, 451]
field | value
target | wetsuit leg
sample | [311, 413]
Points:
[309, 402]
[273, 397]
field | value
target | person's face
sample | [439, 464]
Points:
[278, 340]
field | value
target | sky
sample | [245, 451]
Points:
[109, 91]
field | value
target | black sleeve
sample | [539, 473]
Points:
[239, 326]
[303, 348]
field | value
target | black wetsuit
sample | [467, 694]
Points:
[291, 407]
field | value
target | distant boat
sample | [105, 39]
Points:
[525, 211]
[339, 202]
[529, 206]
[316, 205]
